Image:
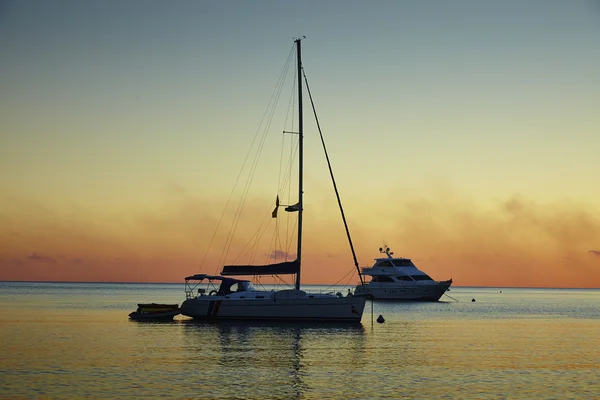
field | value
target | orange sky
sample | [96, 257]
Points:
[467, 146]
[514, 242]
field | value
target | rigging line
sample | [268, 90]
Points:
[282, 184]
[288, 176]
[451, 297]
[253, 241]
[251, 175]
[270, 111]
[293, 151]
[291, 104]
[273, 102]
[285, 68]
[291, 239]
[281, 281]
[286, 183]
[294, 145]
[246, 190]
[333, 179]
[254, 247]
[260, 232]
[341, 279]
[273, 246]
[256, 237]
[280, 162]
[248, 246]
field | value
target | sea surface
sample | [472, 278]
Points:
[74, 341]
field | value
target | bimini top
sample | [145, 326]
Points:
[199, 277]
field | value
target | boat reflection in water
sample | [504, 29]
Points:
[260, 356]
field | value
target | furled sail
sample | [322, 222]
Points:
[283, 268]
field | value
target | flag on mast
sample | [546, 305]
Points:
[274, 213]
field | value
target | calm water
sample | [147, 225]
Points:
[64, 340]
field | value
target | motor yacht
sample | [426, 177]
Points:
[398, 278]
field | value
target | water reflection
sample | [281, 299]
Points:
[267, 359]
[521, 343]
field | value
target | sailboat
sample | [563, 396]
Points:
[235, 299]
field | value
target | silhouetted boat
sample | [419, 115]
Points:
[238, 299]
[154, 312]
[398, 278]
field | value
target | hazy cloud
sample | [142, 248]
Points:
[282, 255]
[39, 258]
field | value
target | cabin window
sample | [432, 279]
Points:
[385, 264]
[421, 278]
[382, 278]
[403, 263]
[404, 278]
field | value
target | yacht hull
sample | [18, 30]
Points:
[405, 292]
[339, 309]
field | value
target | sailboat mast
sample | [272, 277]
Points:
[300, 159]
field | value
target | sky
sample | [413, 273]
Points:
[463, 134]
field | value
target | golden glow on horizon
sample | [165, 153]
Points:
[519, 243]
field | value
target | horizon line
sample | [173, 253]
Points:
[307, 284]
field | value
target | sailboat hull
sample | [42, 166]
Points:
[330, 308]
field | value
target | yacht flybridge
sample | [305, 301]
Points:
[398, 278]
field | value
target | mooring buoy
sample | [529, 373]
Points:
[380, 319]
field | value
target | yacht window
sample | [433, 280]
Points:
[403, 263]
[382, 278]
[404, 278]
[385, 264]
[421, 278]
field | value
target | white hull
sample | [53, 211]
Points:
[418, 291]
[303, 308]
